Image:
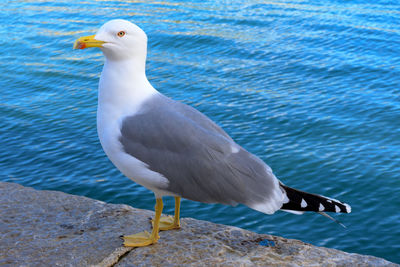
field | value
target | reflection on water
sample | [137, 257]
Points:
[311, 88]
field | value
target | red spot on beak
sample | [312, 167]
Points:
[81, 45]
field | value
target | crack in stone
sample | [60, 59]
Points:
[114, 257]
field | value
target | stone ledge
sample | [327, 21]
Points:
[50, 228]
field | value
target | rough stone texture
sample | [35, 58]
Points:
[48, 228]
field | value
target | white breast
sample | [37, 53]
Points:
[116, 101]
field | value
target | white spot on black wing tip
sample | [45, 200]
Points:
[328, 200]
[337, 209]
[348, 208]
[303, 203]
[321, 207]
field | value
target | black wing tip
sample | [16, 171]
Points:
[339, 207]
[303, 201]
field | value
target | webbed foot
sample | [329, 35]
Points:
[141, 239]
[168, 223]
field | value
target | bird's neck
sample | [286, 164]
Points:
[124, 85]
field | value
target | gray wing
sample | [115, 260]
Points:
[195, 155]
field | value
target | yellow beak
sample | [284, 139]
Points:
[86, 42]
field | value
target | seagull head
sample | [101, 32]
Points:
[118, 39]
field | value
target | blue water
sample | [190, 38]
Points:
[311, 87]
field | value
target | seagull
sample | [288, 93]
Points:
[174, 150]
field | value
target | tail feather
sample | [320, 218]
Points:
[333, 219]
[300, 201]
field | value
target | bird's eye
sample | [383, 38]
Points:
[121, 34]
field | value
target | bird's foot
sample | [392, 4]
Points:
[141, 239]
[168, 223]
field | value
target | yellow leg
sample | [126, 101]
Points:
[169, 222]
[145, 238]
